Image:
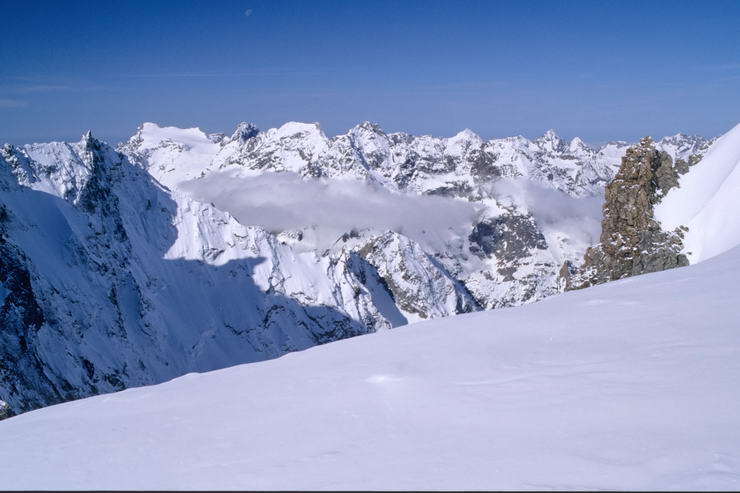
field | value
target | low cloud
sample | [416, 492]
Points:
[555, 211]
[284, 201]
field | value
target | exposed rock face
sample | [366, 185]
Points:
[632, 241]
[4, 410]
[421, 287]
[506, 237]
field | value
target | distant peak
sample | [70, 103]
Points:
[294, 128]
[88, 141]
[550, 140]
[466, 134]
[370, 126]
[578, 143]
[244, 131]
[148, 126]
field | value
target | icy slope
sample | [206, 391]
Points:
[628, 385]
[708, 201]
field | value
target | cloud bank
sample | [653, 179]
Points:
[285, 201]
[556, 212]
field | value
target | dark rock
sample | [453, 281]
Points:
[632, 241]
[506, 237]
[5, 411]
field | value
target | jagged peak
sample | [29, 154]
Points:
[88, 141]
[577, 142]
[550, 140]
[466, 134]
[244, 131]
[550, 134]
[368, 126]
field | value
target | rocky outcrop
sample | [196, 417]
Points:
[632, 241]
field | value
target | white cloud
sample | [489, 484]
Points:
[283, 201]
[556, 212]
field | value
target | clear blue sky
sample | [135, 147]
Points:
[601, 70]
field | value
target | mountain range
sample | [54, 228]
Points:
[180, 251]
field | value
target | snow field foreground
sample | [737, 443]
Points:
[628, 385]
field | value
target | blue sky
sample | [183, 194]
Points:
[601, 70]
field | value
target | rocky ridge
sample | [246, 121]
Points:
[632, 242]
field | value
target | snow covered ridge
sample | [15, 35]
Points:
[397, 161]
[539, 200]
[707, 201]
[110, 279]
[630, 385]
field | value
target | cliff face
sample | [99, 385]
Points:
[632, 241]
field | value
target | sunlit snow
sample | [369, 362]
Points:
[628, 385]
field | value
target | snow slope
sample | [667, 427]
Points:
[707, 201]
[628, 385]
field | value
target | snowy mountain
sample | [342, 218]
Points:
[534, 204]
[111, 281]
[630, 385]
[190, 252]
[399, 161]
